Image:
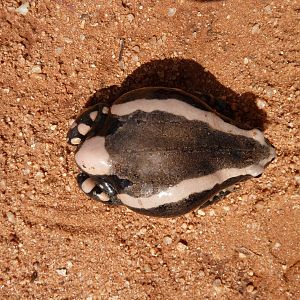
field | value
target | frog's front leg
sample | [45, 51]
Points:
[86, 123]
[97, 189]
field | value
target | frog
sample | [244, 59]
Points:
[163, 152]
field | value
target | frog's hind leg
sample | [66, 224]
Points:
[86, 122]
[218, 197]
[95, 189]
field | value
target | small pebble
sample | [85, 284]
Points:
[184, 226]
[36, 69]
[201, 273]
[212, 213]
[3, 184]
[68, 40]
[135, 58]
[181, 247]
[217, 285]
[167, 240]
[270, 92]
[171, 11]
[10, 217]
[142, 231]
[259, 205]
[261, 103]
[39, 175]
[23, 9]
[268, 9]
[200, 212]
[242, 255]
[62, 272]
[226, 208]
[249, 288]
[130, 18]
[147, 268]
[136, 48]
[246, 60]
[297, 178]
[58, 50]
[69, 264]
[276, 246]
[255, 29]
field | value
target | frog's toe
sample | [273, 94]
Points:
[91, 188]
[85, 123]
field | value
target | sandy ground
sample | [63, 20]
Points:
[61, 55]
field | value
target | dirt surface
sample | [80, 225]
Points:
[61, 55]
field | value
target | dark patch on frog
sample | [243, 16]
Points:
[157, 150]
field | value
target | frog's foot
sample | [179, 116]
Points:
[86, 122]
[93, 189]
[218, 197]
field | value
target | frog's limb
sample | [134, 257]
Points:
[86, 123]
[218, 197]
[96, 189]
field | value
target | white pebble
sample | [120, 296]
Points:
[136, 48]
[261, 103]
[62, 272]
[276, 246]
[3, 184]
[217, 285]
[130, 18]
[171, 11]
[135, 58]
[250, 288]
[270, 92]
[23, 9]
[200, 212]
[181, 247]
[39, 175]
[142, 231]
[246, 60]
[212, 213]
[10, 217]
[36, 69]
[268, 9]
[167, 240]
[255, 29]
[58, 50]
[68, 40]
